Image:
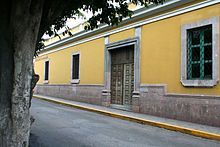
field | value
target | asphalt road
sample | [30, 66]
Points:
[60, 126]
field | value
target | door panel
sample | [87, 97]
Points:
[117, 84]
[122, 75]
[128, 85]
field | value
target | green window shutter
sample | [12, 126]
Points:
[199, 58]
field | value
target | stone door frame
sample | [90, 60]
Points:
[106, 93]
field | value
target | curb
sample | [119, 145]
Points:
[189, 131]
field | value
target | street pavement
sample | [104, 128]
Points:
[59, 126]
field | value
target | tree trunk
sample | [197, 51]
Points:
[17, 50]
[6, 76]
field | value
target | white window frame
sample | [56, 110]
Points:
[75, 81]
[214, 21]
[46, 81]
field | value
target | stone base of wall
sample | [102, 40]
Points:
[106, 98]
[193, 108]
[151, 100]
[82, 93]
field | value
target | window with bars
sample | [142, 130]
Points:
[75, 66]
[199, 54]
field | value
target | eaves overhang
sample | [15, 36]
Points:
[138, 14]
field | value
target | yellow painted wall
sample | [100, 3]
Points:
[161, 51]
[91, 64]
[39, 67]
[160, 55]
[121, 35]
[74, 30]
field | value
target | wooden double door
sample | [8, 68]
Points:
[122, 76]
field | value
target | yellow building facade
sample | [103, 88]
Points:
[164, 61]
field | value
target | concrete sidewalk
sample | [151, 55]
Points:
[170, 124]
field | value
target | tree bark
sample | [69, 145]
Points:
[6, 75]
[17, 51]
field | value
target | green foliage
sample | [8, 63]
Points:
[109, 12]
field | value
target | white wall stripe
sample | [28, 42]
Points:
[137, 24]
[157, 8]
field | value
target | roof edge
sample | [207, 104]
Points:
[143, 12]
[50, 48]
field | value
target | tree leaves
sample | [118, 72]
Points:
[109, 12]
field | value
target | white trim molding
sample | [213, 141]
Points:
[46, 81]
[214, 21]
[75, 81]
[172, 4]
